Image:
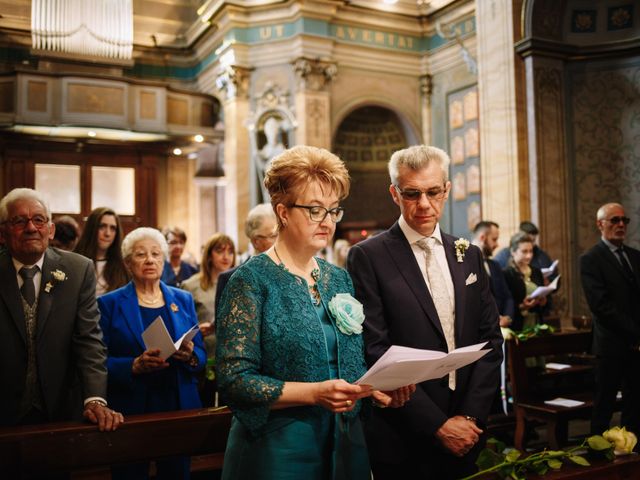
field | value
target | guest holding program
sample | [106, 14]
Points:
[140, 381]
[289, 339]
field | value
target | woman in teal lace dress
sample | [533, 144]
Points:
[289, 339]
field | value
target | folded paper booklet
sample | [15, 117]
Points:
[401, 366]
[545, 290]
[548, 271]
[157, 336]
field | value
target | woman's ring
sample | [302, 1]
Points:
[349, 403]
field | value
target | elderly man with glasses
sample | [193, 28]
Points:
[610, 273]
[52, 358]
[422, 288]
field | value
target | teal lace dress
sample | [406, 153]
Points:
[269, 331]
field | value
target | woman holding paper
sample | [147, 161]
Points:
[289, 339]
[522, 279]
[140, 379]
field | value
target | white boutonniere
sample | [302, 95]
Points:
[58, 276]
[461, 244]
[348, 312]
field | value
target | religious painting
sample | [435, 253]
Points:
[459, 186]
[456, 118]
[472, 149]
[457, 150]
[471, 106]
[473, 179]
[474, 215]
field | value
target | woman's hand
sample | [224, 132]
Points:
[185, 352]
[149, 361]
[339, 396]
[528, 303]
[206, 328]
[395, 398]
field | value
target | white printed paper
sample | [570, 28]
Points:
[157, 336]
[401, 366]
[548, 271]
[545, 290]
[564, 402]
[557, 366]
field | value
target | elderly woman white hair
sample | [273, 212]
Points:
[142, 378]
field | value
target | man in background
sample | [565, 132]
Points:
[610, 273]
[261, 227]
[485, 237]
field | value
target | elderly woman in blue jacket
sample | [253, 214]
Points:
[289, 339]
[140, 379]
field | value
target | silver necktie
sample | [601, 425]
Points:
[441, 298]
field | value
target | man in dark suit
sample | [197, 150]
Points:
[610, 273]
[485, 237]
[424, 289]
[261, 227]
[52, 358]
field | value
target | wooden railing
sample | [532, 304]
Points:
[81, 449]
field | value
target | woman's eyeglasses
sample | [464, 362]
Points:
[318, 213]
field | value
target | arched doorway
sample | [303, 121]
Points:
[365, 140]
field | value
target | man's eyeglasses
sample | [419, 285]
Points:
[413, 195]
[616, 220]
[318, 213]
[273, 236]
[39, 221]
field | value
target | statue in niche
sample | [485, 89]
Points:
[272, 141]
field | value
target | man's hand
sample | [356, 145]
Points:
[395, 398]
[206, 328]
[108, 420]
[459, 435]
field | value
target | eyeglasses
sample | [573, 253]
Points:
[39, 221]
[273, 236]
[413, 195]
[616, 220]
[318, 213]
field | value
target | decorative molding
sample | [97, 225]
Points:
[273, 96]
[426, 85]
[315, 74]
[233, 81]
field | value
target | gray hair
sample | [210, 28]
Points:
[22, 194]
[143, 233]
[256, 217]
[602, 212]
[416, 158]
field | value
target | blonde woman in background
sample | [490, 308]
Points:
[218, 255]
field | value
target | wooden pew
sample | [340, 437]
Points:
[26, 452]
[529, 397]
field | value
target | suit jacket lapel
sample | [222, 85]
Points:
[401, 253]
[175, 315]
[45, 298]
[612, 259]
[131, 313]
[11, 294]
[457, 276]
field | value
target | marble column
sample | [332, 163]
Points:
[233, 82]
[504, 175]
[549, 167]
[312, 101]
[426, 89]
